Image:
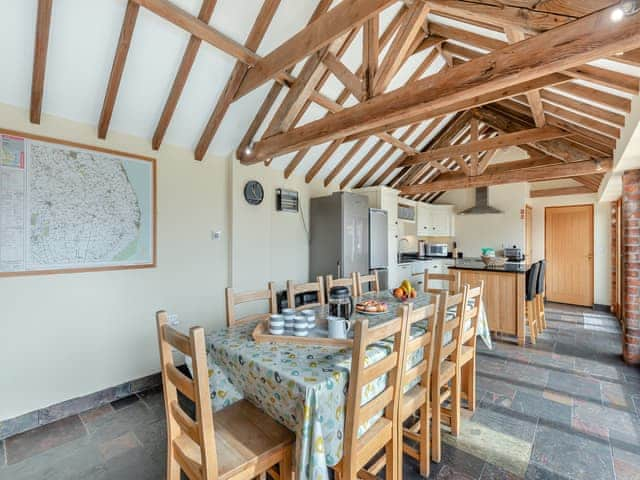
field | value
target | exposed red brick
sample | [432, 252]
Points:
[631, 261]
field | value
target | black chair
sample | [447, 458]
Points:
[542, 321]
[531, 285]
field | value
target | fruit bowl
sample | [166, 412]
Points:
[405, 291]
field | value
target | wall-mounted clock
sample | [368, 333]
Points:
[253, 192]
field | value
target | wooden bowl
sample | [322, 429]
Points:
[493, 261]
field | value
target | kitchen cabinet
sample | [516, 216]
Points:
[403, 272]
[435, 220]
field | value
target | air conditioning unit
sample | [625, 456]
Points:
[286, 200]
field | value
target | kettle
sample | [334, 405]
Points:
[340, 302]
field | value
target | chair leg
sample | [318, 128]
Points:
[532, 321]
[436, 418]
[392, 456]
[543, 318]
[286, 472]
[470, 383]
[425, 450]
[173, 468]
[455, 405]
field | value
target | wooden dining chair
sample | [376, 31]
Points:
[383, 434]
[445, 381]
[467, 365]
[316, 287]
[417, 398]
[539, 302]
[452, 279]
[233, 299]
[238, 442]
[370, 280]
[531, 284]
[350, 282]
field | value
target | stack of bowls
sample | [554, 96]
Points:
[276, 324]
[300, 326]
[310, 315]
[288, 314]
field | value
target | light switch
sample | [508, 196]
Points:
[216, 235]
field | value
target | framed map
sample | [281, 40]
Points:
[67, 207]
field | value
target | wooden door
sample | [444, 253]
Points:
[528, 231]
[569, 254]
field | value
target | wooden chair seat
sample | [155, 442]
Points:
[246, 439]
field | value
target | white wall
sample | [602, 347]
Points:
[602, 237]
[473, 232]
[68, 335]
[268, 244]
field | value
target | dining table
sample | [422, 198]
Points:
[302, 386]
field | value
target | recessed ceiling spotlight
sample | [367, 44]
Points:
[626, 7]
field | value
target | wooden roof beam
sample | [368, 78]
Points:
[399, 49]
[117, 69]
[337, 21]
[43, 24]
[551, 172]
[370, 53]
[554, 192]
[526, 19]
[349, 79]
[188, 59]
[545, 54]
[502, 141]
[258, 30]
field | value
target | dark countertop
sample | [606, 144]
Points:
[413, 257]
[478, 264]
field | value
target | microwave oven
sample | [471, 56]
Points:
[437, 250]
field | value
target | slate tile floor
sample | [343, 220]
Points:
[567, 408]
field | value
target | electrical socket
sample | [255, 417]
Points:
[173, 320]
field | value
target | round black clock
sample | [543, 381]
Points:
[253, 192]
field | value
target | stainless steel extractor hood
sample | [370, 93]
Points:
[482, 206]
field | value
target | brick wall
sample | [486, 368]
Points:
[631, 258]
[615, 308]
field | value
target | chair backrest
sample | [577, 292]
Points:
[452, 279]
[311, 287]
[425, 340]
[541, 271]
[387, 401]
[531, 281]
[472, 313]
[448, 338]
[371, 280]
[191, 443]
[349, 282]
[232, 299]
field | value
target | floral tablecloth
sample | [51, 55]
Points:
[302, 387]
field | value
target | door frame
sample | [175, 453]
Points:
[528, 235]
[593, 240]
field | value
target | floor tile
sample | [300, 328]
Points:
[28, 444]
[119, 446]
[549, 411]
[456, 464]
[492, 472]
[576, 386]
[572, 456]
[124, 402]
[90, 416]
[119, 422]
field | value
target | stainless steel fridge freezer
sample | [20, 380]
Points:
[379, 245]
[339, 235]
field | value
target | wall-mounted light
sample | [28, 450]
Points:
[626, 8]
[598, 164]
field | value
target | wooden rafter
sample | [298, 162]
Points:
[400, 47]
[117, 69]
[546, 54]
[337, 21]
[346, 159]
[564, 170]
[515, 35]
[501, 141]
[553, 192]
[180, 80]
[371, 52]
[43, 24]
[349, 79]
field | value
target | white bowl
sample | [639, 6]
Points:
[278, 331]
[301, 333]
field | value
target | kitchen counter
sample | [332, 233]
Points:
[477, 264]
[504, 289]
[408, 258]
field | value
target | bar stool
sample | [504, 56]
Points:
[542, 320]
[531, 284]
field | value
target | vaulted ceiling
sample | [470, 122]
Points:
[418, 95]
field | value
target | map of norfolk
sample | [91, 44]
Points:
[83, 208]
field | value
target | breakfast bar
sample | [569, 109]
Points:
[504, 297]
